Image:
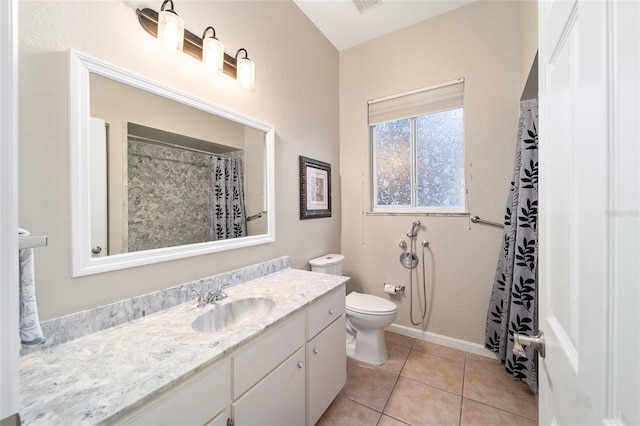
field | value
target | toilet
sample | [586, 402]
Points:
[367, 316]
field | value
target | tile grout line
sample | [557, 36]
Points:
[503, 410]
[492, 404]
[464, 376]
[396, 382]
[382, 413]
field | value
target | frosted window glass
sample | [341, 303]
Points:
[417, 146]
[440, 159]
[393, 163]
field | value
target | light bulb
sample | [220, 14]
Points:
[170, 30]
[213, 54]
[246, 73]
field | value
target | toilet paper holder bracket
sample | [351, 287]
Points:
[389, 286]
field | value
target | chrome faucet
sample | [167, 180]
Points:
[210, 298]
[203, 298]
[219, 294]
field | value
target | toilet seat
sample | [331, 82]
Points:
[369, 304]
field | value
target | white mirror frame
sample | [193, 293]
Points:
[79, 111]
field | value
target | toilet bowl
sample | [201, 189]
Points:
[366, 315]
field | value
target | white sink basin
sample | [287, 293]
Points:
[233, 314]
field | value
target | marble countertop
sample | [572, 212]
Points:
[97, 378]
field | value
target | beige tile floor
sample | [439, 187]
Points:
[427, 384]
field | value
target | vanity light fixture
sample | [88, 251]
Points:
[170, 27]
[207, 49]
[212, 51]
[246, 70]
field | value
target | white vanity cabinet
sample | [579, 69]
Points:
[298, 389]
[286, 376]
[326, 353]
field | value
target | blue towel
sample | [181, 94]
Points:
[30, 330]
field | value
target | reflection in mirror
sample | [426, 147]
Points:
[178, 194]
[159, 175]
[166, 185]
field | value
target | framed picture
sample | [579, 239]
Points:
[315, 188]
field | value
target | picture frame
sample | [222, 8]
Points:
[315, 188]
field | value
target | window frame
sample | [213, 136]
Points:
[374, 208]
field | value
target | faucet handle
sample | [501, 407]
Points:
[219, 294]
[203, 298]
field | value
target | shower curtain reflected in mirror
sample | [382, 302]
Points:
[180, 196]
[513, 307]
[226, 194]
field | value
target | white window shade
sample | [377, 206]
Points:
[432, 99]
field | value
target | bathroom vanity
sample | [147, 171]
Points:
[282, 368]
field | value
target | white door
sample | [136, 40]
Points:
[589, 215]
[99, 184]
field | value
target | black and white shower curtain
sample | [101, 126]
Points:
[513, 307]
[227, 216]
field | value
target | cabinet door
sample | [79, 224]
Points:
[221, 420]
[194, 402]
[276, 400]
[327, 365]
[252, 363]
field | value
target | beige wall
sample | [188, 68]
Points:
[482, 43]
[291, 71]
[528, 37]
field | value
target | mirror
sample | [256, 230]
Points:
[151, 172]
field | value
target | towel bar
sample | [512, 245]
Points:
[32, 241]
[476, 219]
[255, 216]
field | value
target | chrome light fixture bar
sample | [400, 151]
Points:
[192, 46]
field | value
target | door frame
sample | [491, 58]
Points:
[9, 321]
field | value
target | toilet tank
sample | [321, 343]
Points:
[328, 264]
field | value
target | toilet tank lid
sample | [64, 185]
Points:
[368, 303]
[327, 260]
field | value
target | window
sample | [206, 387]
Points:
[417, 143]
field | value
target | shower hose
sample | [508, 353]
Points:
[424, 284]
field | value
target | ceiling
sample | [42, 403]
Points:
[343, 24]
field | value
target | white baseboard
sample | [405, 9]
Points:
[439, 339]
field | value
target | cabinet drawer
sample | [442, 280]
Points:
[194, 402]
[254, 362]
[278, 399]
[325, 311]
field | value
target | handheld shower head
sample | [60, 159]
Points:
[414, 225]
